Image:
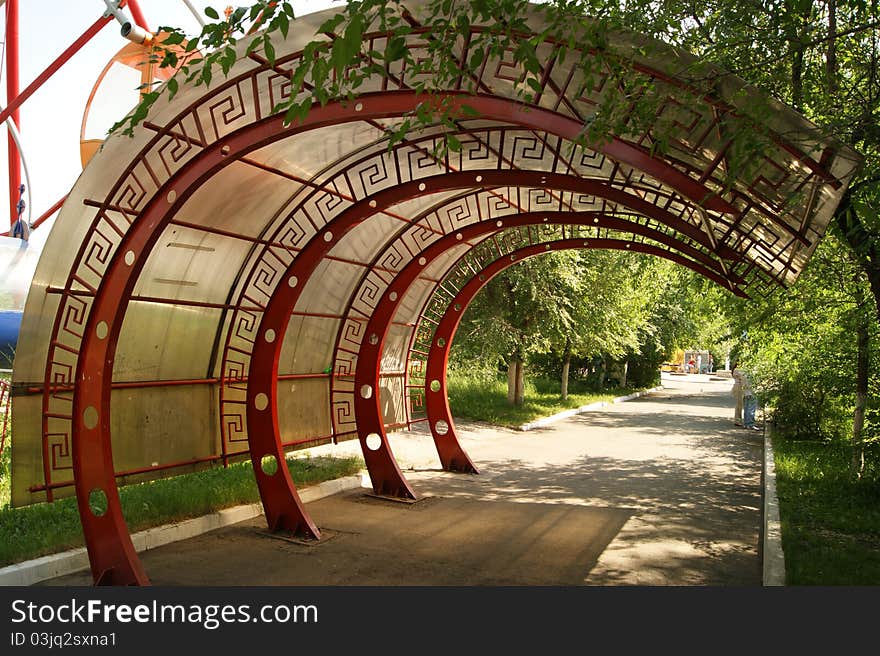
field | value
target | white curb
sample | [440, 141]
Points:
[565, 414]
[771, 548]
[68, 562]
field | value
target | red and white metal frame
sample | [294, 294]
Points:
[15, 98]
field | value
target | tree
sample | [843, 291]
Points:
[521, 311]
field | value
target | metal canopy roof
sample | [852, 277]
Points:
[221, 284]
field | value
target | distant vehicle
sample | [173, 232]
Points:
[669, 366]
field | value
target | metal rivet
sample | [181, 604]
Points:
[373, 203]
[359, 107]
[328, 236]
[270, 335]
[479, 178]
[172, 196]
[224, 151]
[392, 296]
[129, 257]
[422, 186]
[499, 223]
[366, 391]
[292, 281]
[422, 261]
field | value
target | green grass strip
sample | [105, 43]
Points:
[46, 528]
[830, 518]
[486, 400]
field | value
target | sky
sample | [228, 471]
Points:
[51, 119]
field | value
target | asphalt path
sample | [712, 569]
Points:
[659, 491]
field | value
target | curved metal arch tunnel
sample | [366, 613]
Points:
[739, 236]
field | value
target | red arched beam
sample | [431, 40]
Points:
[367, 404]
[436, 396]
[111, 553]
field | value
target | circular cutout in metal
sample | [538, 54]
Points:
[90, 417]
[366, 391]
[269, 335]
[269, 465]
[98, 503]
[102, 329]
[374, 441]
[441, 427]
[261, 401]
[435, 386]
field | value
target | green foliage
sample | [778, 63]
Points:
[480, 398]
[335, 65]
[830, 520]
[799, 346]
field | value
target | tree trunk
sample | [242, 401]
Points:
[511, 380]
[797, 77]
[862, 376]
[863, 245]
[566, 365]
[831, 52]
[515, 381]
[520, 383]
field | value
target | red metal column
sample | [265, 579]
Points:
[12, 82]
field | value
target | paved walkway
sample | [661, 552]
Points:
[661, 490]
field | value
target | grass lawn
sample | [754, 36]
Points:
[46, 528]
[486, 400]
[830, 521]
